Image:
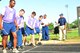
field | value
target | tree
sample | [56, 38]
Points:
[74, 24]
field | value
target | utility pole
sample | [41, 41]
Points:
[67, 15]
[78, 18]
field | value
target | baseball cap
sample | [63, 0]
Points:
[61, 14]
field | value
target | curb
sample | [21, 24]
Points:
[59, 42]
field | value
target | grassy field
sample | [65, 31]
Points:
[71, 34]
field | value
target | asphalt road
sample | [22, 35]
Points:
[59, 48]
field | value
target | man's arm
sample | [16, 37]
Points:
[59, 21]
[48, 22]
[65, 24]
[1, 27]
[26, 20]
[1, 16]
[33, 27]
[15, 21]
[42, 22]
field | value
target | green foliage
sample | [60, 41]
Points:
[24, 25]
[74, 24]
[51, 26]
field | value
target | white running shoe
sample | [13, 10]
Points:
[33, 45]
[22, 44]
[4, 51]
[26, 43]
[15, 50]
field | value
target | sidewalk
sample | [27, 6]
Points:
[72, 41]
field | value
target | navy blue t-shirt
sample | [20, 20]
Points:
[62, 21]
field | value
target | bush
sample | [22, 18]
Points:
[51, 26]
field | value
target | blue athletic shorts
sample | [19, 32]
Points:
[29, 31]
[23, 30]
[37, 30]
[7, 28]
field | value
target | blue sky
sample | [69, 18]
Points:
[50, 7]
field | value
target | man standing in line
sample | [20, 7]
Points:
[45, 30]
[30, 22]
[37, 28]
[20, 30]
[62, 27]
[20, 23]
[8, 16]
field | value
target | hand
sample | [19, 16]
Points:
[17, 27]
[64, 28]
[42, 23]
[1, 27]
[31, 28]
[46, 25]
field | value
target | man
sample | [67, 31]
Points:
[37, 28]
[45, 30]
[20, 30]
[8, 16]
[20, 22]
[62, 27]
[30, 22]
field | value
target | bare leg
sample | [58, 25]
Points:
[4, 41]
[24, 39]
[40, 37]
[33, 40]
[15, 39]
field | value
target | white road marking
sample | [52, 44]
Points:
[50, 52]
[30, 49]
[42, 51]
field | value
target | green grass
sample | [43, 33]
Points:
[71, 34]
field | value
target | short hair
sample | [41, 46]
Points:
[22, 10]
[40, 16]
[34, 12]
[45, 15]
[12, 0]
